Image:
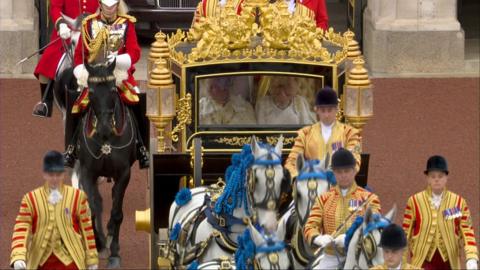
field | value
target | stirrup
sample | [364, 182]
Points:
[40, 109]
[143, 157]
[69, 156]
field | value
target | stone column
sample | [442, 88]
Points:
[413, 36]
[18, 36]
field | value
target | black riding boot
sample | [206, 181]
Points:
[69, 156]
[44, 107]
[143, 156]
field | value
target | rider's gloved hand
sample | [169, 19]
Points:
[323, 240]
[19, 264]
[63, 31]
[93, 267]
[123, 61]
[81, 73]
[472, 264]
[340, 241]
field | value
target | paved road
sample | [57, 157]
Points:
[414, 118]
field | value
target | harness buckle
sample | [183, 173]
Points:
[225, 263]
[221, 221]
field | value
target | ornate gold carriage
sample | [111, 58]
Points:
[244, 59]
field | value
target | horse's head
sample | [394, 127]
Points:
[309, 184]
[258, 250]
[363, 239]
[268, 178]
[103, 97]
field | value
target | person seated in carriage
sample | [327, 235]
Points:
[323, 138]
[394, 243]
[339, 206]
[108, 36]
[220, 107]
[46, 69]
[284, 105]
[438, 223]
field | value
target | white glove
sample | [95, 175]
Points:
[93, 267]
[340, 241]
[81, 73]
[323, 240]
[472, 264]
[63, 31]
[123, 61]
[19, 264]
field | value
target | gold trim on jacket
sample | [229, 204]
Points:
[310, 142]
[453, 222]
[331, 209]
[72, 217]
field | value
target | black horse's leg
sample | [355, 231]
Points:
[116, 216]
[89, 185]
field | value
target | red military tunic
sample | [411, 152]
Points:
[47, 66]
[319, 10]
[123, 27]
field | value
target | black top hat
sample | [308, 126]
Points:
[53, 162]
[437, 163]
[393, 237]
[342, 158]
[326, 97]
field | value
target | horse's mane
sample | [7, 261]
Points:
[235, 192]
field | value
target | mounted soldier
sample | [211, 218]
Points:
[107, 36]
[62, 14]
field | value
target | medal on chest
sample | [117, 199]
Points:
[353, 205]
[452, 213]
[336, 146]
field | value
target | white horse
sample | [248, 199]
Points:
[310, 183]
[267, 252]
[362, 240]
[208, 224]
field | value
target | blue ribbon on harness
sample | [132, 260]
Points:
[215, 219]
[265, 162]
[271, 247]
[378, 223]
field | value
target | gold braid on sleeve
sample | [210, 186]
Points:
[94, 46]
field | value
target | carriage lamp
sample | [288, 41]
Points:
[158, 49]
[358, 96]
[353, 50]
[142, 220]
[160, 100]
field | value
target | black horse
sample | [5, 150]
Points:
[105, 147]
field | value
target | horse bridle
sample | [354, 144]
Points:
[366, 244]
[269, 160]
[312, 192]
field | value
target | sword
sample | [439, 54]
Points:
[36, 52]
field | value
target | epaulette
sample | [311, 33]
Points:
[128, 17]
[91, 16]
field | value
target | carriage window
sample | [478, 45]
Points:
[266, 100]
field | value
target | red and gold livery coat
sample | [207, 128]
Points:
[331, 210]
[208, 8]
[429, 229]
[47, 66]
[36, 221]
